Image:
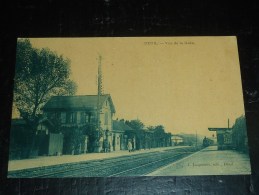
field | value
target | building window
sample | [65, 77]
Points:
[106, 118]
[86, 117]
[78, 117]
[63, 117]
[92, 118]
[71, 117]
[82, 117]
[227, 139]
[118, 140]
[89, 117]
[57, 116]
[74, 117]
[41, 127]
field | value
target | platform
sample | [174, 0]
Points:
[208, 161]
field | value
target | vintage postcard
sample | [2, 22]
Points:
[128, 106]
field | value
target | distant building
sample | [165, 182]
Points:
[234, 137]
[177, 140]
[139, 138]
[121, 133]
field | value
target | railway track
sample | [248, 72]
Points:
[138, 164]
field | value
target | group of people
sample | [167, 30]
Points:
[106, 146]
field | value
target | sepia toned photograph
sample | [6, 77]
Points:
[127, 106]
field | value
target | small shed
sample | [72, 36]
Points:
[48, 143]
[224, 137]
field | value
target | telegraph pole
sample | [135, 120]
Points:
[99, 93]
[196, 140]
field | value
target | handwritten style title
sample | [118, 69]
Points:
[169, 43]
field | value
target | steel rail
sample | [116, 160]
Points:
[86, 166]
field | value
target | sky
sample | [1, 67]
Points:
[186, 84]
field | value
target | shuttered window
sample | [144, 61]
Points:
[71, 117]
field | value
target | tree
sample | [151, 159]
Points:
[239, 134]
[135, 124]
[159, 133]
[151, 128]
[39, 74]
[160, 129]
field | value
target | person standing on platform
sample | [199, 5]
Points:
[129, 146]
[106, 145]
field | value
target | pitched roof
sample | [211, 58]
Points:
[120, 125]
[217, 129]
[45, 120]
[77, 102]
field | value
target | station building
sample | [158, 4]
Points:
[69, 126]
